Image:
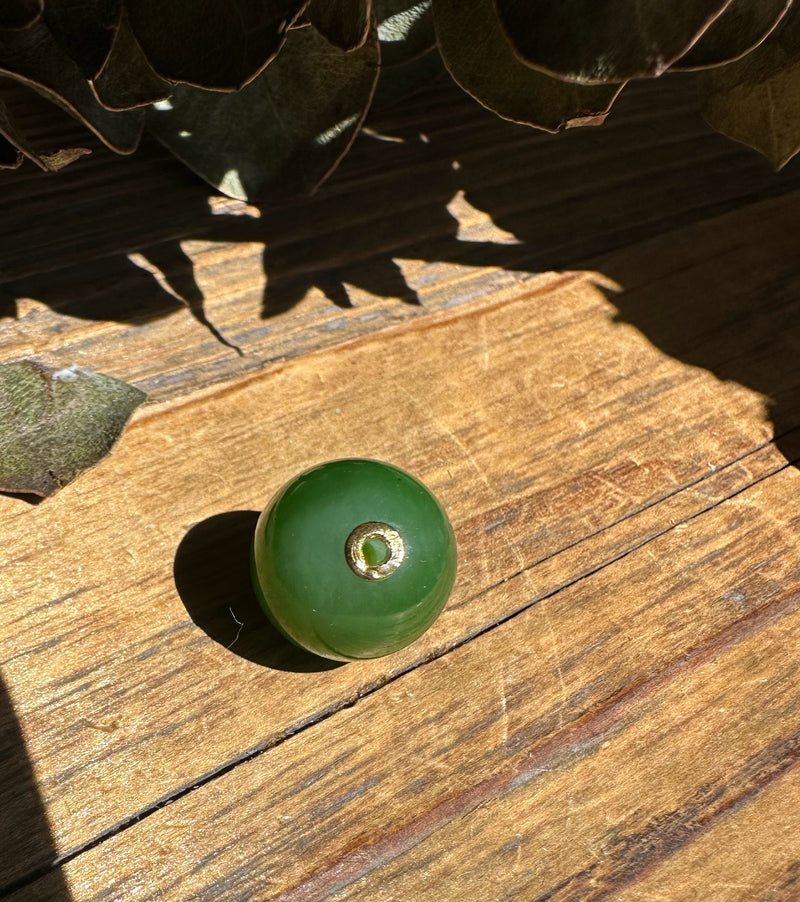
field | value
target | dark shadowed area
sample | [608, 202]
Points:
[212, 576]
[25, 840]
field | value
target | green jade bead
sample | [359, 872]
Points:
[353, 559]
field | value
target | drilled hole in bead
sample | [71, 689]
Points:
[374, 550]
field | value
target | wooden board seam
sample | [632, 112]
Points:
[589, 731]
[727, 637]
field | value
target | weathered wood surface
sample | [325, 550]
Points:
[79, 250]
[609, 706]
[569, 751]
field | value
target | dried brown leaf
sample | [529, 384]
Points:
[50, 159]
[58, 159]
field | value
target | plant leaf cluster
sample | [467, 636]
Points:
[263, 99]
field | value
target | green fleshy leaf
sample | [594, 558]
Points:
[20, 13]
[126, 78]
[33, 56]
[740, 29]
[756, 100]
[216, 44]
[261, 143]
[602, 41]
[405, 30]
[54, 424]
[344, 23]
[410, 58]
[14, 137]
[489, 70]
[84, 29]
[58, 159]
[395, 83]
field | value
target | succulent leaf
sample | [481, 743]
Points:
[742, 27]
[409, 56]
[489, 70]
[84, 30]
[398, 82]
[756, 100]
[48, 160]
[126, 78]
[405, 30]
[54, 424]
[344, 23]
[216, 44]
[20, 13]
[33, 56]
[11, 156]
[601, 41]
[313, 64]
[260, 142]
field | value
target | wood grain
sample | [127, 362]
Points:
[564, 754]
[123, 700]
[611, 442]
[683, 758]
[102, 262]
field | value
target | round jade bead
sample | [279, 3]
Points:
[353, 559]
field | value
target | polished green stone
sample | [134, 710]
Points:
[306, 583]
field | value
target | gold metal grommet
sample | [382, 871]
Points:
[355, 550]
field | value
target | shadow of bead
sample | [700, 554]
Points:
[212, 576]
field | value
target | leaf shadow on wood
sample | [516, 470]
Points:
[212, 576]
[388, 200]
[567, 199]
[25, 839]
[742, 327]
[32, 500]
[388, 197]
[727, 297]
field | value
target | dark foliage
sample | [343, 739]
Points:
[263, 100]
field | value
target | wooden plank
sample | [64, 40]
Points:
[563, 755]
[102, 260]
[751, 852]
[551, 431]
[534, 418]
[616, 801]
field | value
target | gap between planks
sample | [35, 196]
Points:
[553, 747]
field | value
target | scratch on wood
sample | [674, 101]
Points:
[441, 427]
[557, 656]
[484, 344]
[426, 410]
[503, 704]
[576, 740]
